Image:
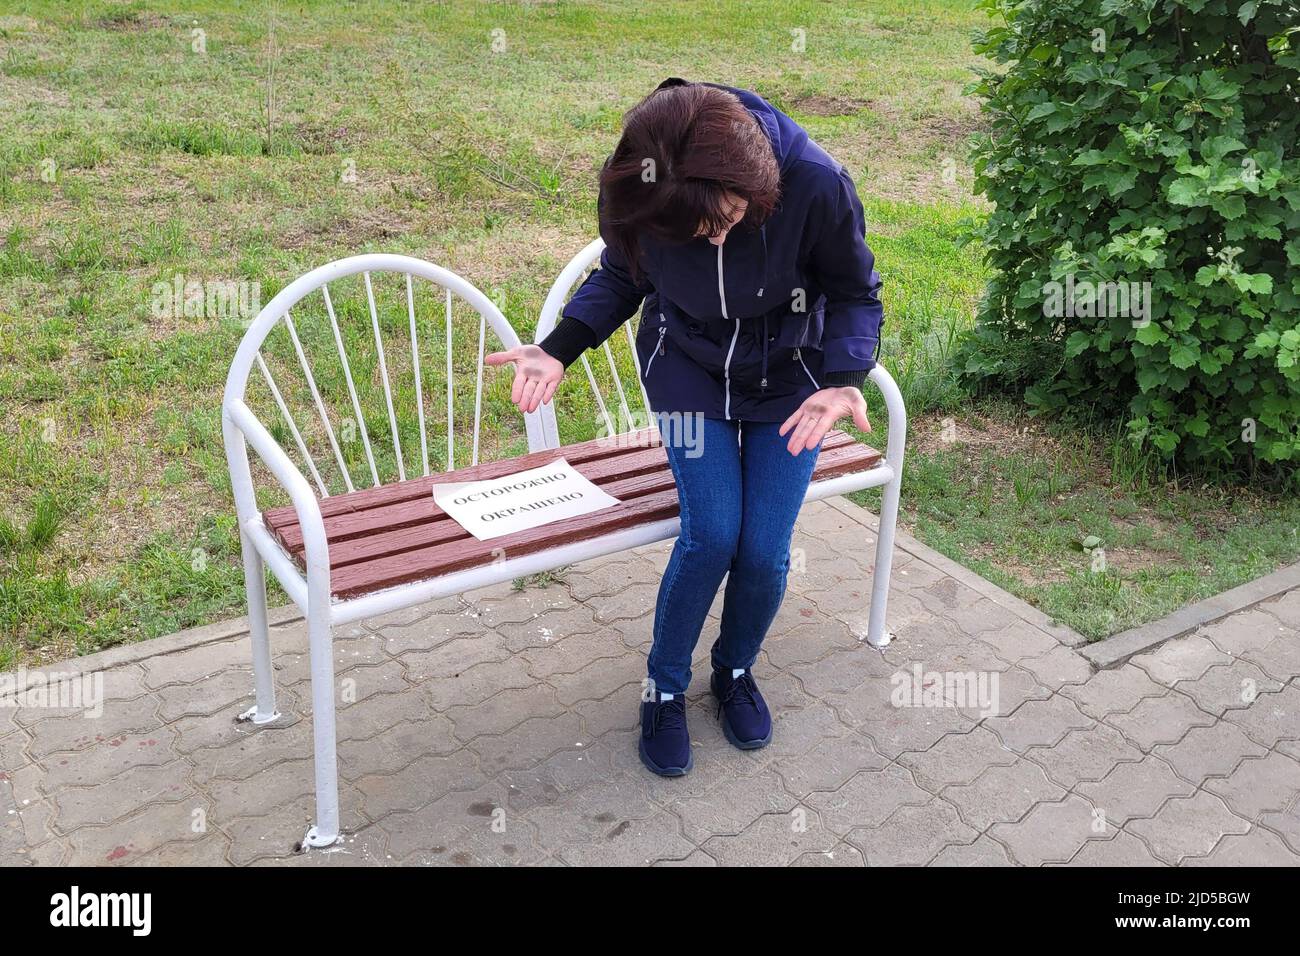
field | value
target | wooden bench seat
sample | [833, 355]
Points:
[394, 534]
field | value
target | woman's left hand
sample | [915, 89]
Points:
[820, 410]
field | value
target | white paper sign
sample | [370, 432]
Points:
[527, 499]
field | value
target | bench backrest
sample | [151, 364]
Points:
[347, 359]
[610, 381]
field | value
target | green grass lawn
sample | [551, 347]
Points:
[130, 157]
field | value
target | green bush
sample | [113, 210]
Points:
[1146, 146]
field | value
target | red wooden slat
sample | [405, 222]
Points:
[419, 487]
[438, 532]
[387, 518]
[458, 555]
[422, 509]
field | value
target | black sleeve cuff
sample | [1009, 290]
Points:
[568, 340]
[856, 379]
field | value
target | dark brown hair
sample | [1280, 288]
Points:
[683, 149]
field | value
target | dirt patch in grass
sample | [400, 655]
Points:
[132, 20]
[934, 432]
[821, 105]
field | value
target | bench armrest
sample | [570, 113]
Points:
[897, 436]
[242, 426]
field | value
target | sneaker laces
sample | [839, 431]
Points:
[743, 690]
[669, 715]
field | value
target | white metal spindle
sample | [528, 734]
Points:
[419, 387]
[293, 429]
[383, 373]
[320, 405]
[618, 384]
[352, 389]
[636, 362]
[451, 430]
[478, 387]
[600, 400]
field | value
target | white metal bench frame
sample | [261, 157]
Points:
[311, 592]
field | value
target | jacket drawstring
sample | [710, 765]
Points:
[763, 233]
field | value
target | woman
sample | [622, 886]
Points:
[761, 318]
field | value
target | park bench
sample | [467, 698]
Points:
[344, 553]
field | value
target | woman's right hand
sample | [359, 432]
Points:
[537, 375]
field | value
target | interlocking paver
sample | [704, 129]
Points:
[1038, 723]
[1259, 785]
[1226, 687]
[1240, 634]
[1280, 658]
[427, 631]
[1213, 751]
[1134, 790]
[773, 839]
[982, 852]
[497, 608]
[125, 793]
[1185, 659]
[1270, 718]
[1286, 823]
[106, 759]
[530, 742]
[500, 728]
[957, 759]
[545, 630]
[841, 855]
[1188, 826]
[868, 799]
[505, 711]
[1123, 849]
[1002, 794]
[419, 783]
[912, 835]
[1018, 641]
[632, 843]
[1256, 848]
[138, 834]
[1058, 668]
[1051, 832]
[830, 764]
[1160, 720]
[1114, 692]
[729, 806]
[76, 731]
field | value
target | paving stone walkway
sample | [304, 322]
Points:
[499, 727]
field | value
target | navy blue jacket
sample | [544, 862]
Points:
[750, 328]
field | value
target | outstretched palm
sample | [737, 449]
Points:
[537, 375]
[820, 410]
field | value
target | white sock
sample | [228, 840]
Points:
[664, 697]
[736, 672]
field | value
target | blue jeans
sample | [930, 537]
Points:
[740, 491]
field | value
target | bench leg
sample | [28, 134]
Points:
[326, 830]
[877, 635]
[263, 712]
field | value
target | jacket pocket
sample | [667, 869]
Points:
[801, 330]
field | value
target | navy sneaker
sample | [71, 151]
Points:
[745, 717]
[665, 744]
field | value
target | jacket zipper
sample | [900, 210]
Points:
[799, 357]
[659, 347]
[726, 367]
